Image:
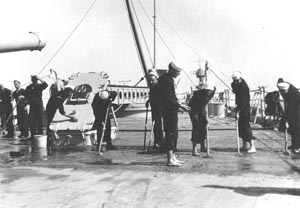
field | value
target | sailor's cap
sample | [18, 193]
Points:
[236, 75]
[283, 86]
[175, 65]
[152, 72]
[104, 94]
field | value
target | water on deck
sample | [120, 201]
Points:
[133, 177]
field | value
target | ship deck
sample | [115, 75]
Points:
[134, 177]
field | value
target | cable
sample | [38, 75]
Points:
[70, 35]
[142, 32]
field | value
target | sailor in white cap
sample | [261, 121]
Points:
[170, 106]
[101, 105]
[156, 111]
[242, 101]
[198, 116]
[291, 97]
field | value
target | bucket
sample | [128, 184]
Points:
[90, 138]
[40, 140]
[113, 133]
[216, 109]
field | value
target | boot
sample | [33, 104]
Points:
[194, 151]
[246, 146]
[203, 146]
[252, 147]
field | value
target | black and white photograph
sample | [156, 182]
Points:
[149, 104]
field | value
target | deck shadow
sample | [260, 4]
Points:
[256, 191]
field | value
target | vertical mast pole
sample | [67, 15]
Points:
[154, 37]
[137, 41]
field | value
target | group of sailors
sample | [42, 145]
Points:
[29, 106]
[164, 110]
[165, 106]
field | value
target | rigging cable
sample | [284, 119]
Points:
[159, 35]
[187, 44]
[141, 32]
[73, 31]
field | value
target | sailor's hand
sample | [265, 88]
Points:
[27, 108]
[185, 108]
[286, 125]
[21, 97]
[237, 115]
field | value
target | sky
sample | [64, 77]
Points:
[258, 37]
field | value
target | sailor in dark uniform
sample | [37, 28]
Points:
[170, 106]
[198, 115]
[55, 102]
[242, 101]
[6, 111]
[22, 111]
[291, 97]
[101, 105]
[156, 111]
[34, 94]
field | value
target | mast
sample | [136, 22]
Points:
[137, 41]
[154, 37]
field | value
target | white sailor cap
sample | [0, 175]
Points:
[152, 72]
[283, 86]
[236, 75]
[103, 94]
[175, 65]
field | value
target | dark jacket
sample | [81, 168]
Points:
[199, 100]
[56, 101]
[292, 100]
[100, 107]
[35, 92]
[5, 100]
[242, 94]
[21, 101]
[167, 92]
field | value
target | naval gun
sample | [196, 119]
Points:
[30, 41]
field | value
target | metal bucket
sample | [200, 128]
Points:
[216, 109]
[113, 133]
[90, 138]
[40, 141]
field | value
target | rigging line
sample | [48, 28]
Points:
[220, 79]
[73, 31]
[225, 75]
[187, 44]
[142, 32]
[159, 35]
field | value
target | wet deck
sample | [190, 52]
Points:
[132, 177]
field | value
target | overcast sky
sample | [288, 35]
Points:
[258, 37]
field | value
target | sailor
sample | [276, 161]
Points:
[198, 115]
[6, 111]
[101, 105]
[22, 111]
[34, 93]
[242, 101]
[170, 106]
[156, 111]
[55, 103]
[291, 97]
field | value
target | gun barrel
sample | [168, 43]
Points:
[30, 41]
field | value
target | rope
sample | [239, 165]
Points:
[141, 31]
[69, 36]
[159, 35]
[220, 79]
